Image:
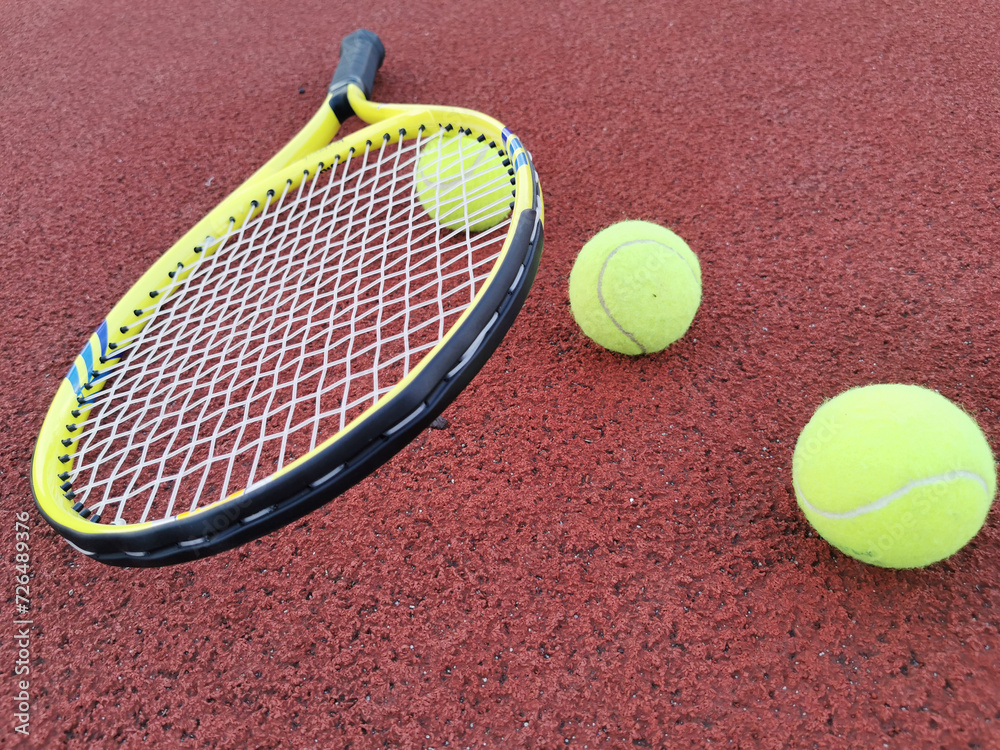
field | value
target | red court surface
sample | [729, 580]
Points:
[597, 551]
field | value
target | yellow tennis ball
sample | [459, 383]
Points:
[635, 287]
[894, 475]
[463, 183]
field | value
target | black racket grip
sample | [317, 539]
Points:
[361, 55]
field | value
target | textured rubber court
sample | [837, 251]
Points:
[595, 551]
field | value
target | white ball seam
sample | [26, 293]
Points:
[882, 502]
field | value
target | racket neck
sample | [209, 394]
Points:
[319, 132]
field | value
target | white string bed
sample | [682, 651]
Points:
[281, 332]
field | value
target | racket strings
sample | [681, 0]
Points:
[281, 332]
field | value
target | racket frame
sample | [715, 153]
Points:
[368, 440]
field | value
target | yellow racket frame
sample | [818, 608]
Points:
[295, 162]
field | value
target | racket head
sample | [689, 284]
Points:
[195, 526]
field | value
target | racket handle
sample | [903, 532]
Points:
[361, 55]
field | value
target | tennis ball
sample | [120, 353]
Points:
[894, 475]
[635, 287]
[463, 183]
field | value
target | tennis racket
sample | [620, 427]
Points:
[299, 335]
